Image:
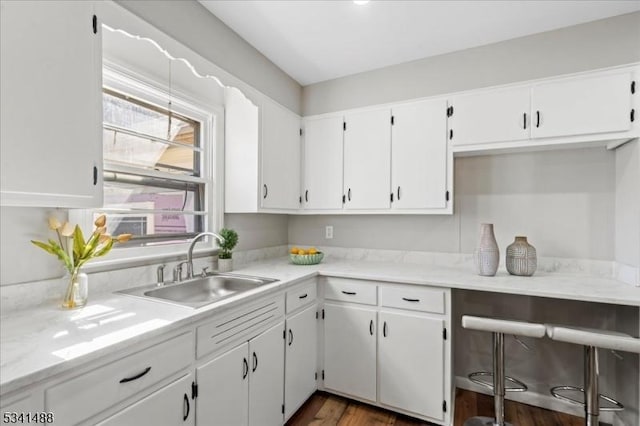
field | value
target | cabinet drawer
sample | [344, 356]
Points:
[301, 295]
[238, 325]
[82, 397]
[414, 298]
[348, 290]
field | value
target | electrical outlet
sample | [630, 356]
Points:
[328, 232]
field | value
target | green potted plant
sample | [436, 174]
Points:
[225, 261]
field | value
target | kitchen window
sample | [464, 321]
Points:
[158, 150]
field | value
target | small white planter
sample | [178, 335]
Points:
[225, 265]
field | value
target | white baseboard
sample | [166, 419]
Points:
[538, 399]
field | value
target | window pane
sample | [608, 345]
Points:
[141, 224]
[173, 202]
[143, 119]
[140, 152]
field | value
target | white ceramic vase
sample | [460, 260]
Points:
[225, 265]
[521, 258]
[487, 255]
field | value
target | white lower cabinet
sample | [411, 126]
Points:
[244, 386]
[266, 380]
[224, 388]
[88, 395]
[301, 359]
[402, 361]
[170, 406]
[411, 359]
[350, 350]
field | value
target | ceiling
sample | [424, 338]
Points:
[313, 41]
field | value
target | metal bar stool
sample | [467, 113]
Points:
[499, 328]
[592, 340]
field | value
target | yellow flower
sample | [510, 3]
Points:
[123, 238]
[54, 223]
[100, 230]
[104, 238]
[67, 229]
[100, 221]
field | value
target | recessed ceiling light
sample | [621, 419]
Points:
[361, 2]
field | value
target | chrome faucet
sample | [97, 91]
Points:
[177, 272]
[160, 275]
[190, 251]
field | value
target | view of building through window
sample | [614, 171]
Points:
[153, 186]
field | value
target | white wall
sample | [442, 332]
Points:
[257, 231]
[627, 247]
[193, 25]
[562, 200]
[597, 44]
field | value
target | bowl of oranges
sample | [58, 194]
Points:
[301, 256]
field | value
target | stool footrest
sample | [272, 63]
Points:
[617, 406]
[520, 387]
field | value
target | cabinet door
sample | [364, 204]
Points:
[51, 105]
[411, 358]
[322, 187]
[266, 382]
[241, 140]
[170, 406]
[350, 350]
[367, 160]
[486, 117]
[301, 363]
[280, 158]
[223, 389]
[586, 105]
[419, 155]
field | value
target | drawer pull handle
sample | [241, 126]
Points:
[255, 362]
[410, 300]
[384, 329]
[185, 408]
[303, 296]
[290, 337]
[371, 327]
[245, 368]
[136, 377]
[349, 293]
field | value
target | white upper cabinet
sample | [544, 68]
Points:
[419, 155]
[262, 155]
[241, 152]
[322, 187]
[51, 105]
[581, 105]
[489, 116]
[367, 165]
[280, 158]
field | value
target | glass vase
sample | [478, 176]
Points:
[77, 291]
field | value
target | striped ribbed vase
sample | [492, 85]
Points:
[521, 258]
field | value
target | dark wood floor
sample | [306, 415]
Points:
[326, 410]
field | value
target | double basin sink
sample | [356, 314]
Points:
[201, 290]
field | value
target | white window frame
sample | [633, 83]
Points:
[211, 120]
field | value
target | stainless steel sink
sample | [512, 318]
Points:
[200, 291]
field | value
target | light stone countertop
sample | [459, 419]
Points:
[42, 342]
